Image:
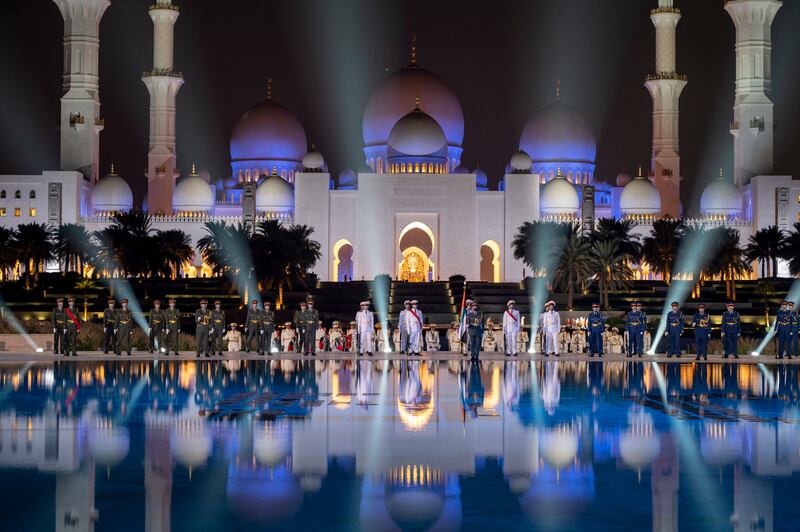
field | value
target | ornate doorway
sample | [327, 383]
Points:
[414, 267]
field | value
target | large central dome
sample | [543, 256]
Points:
[268, 131]
[558, 134]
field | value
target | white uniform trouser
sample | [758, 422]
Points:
[510, 345]
[365, 342]
[413, 340]
[551, 342]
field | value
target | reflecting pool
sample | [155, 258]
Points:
[398, 445]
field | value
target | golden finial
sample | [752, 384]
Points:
[558, 172]
[721, 174]
[274, 170]
[558, 89]
[113, 170]
[414, 49]
[269, 88]
[640, 171]
[416, 102]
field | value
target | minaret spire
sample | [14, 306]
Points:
[665, 88]
[558, 90]
[269, 88]
[163, 84]
[753, 121]
[414, 50]
[80, 104]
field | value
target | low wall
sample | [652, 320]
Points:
[17, 343]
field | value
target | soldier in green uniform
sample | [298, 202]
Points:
[59, 320]
[156, 326]
[267, 328]
[172, 321]
[217, 327]
[310, 325]
[252, 328]
[299, 323]
[109, 318]
[72, 329]
[123, 328]
[202, 318]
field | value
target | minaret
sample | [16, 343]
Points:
[163, 84]
[80, 103]
[665, 88]
[753, 125]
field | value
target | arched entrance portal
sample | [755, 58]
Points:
[416, 244]
[342, 261]
[490, 262]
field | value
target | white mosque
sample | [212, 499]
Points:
[417, 213]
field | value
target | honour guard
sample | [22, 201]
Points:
[674, 330]
[217, 328]
[635, 323]
[595, 326]
[402, 326]
[414, 321]
[299, 323]
[202, 319]
[72, 329]
[310, 325]
[511, 328]
[253, 328]
[784, 326]
[123, 328]
[550, 325]
[475, 325]
[267, 329]
[794, 347]
[702, 331]
[172, 322]
[156, 326]
[109, 318]
[731, 330]
[365, 327]
[59, 320]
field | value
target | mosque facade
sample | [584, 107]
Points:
[414, 211]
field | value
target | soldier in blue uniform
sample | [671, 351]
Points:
[635, 322]
[702, 331]
[795, 344]
[475, 324]
[674, 330]
[731, 330]
[784, 326]
[596, 324]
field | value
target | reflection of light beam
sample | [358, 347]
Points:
[538, 408]
[699, 480]
[794, 293]
[380, 294]
[548, 246]
[17, 326]
[772, 385]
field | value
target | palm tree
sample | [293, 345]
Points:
[73, 247]
[130, 233]
[283, 255]
[660, 248]
[619, 231]
[791, 250]
[728, 259]
[32, 247]
[225, 248]
[766, 246]
[575, 266]
[174, 248]
[612, 266]
[540, 245]
[7, 256]
[84, 285]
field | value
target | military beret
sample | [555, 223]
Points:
[701, 306]
[60, 300]
[217, 302]
[254, 301]
[71, 300]
[595, 305]
[156, 301]
[110, 300]
[172, 300]
[676, 303]
[124, 301]
[204, 301]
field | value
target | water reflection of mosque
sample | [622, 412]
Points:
[280, 424]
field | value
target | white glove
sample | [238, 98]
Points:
[54, 330]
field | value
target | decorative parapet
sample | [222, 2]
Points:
[162, 72]
[657, 10]
[194, 217]
[164, 5]
[666, 75]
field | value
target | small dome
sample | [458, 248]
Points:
[558, 196]
[193, 193]
[268, 131]
[348, 178]
[461, 169]
[109, 445]
[481, 179]
[521, 162]
[558, 134]
[313, 160]
[721, 197]
[191, 445]
[640, 196]
[638, 449]
[623, 179]
[395, 97]
[417, 133]
[558, 446]
[271, 444]
[274, 194]
[112, 194]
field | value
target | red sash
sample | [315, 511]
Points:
[411, 310]
[511, 315]
[74, 319]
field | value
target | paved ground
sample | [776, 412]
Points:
[98, 356]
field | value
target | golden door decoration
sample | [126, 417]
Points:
[412, 269]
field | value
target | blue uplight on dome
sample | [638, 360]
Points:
[558, 134]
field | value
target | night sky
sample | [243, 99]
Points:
[502, 59]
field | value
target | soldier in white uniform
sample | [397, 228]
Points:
[453, 339]
[401, 344]
[414, 321]
[511, 323]
[489, 337]
[522, 341]
[432, 339]
[288, 341]
[550, 325]
[365, 327]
